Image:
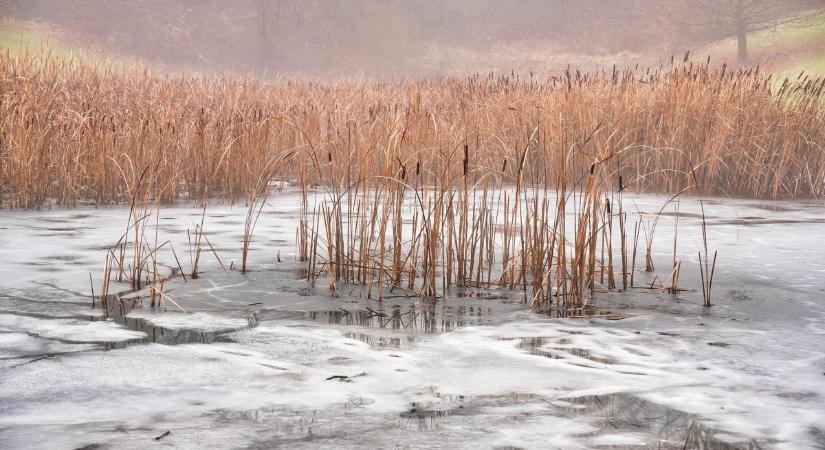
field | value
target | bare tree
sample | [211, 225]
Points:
[713, 19]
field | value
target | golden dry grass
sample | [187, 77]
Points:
[72, 131]
[430, 184]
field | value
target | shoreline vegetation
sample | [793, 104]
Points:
[430, 184]
[73, 130]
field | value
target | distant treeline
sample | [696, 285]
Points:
[385, 36]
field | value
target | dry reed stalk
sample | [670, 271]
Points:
[195, 247]
[706, 267]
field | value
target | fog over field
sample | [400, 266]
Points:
[404, 37]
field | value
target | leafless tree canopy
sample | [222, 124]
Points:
[704, 20]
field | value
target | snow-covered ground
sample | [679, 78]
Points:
[263, 359]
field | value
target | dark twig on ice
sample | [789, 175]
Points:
[167, 433]
[345, 378]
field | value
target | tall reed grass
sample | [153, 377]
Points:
[72, 131]
[429, 185]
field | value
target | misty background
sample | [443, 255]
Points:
[406, 37]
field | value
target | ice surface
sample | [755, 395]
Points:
[196, 321]
[68, 330]
[19, 346]
[300, 367]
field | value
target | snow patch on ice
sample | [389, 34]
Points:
[194, 321]
[69, 330]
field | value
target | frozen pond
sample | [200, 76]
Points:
[263, 359]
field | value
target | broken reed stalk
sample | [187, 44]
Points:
[104, 289]
[157, 279]
[195, 246]
[674, 276]
[636, 229]
[706, 267]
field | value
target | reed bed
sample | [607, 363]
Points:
[72, 131]
[430, 184]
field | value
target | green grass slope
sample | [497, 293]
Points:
[16, 38]
[786, 49]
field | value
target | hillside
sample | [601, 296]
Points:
[787, 49]
[17, 37]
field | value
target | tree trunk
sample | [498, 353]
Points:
[741, 32]
[742, 45]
